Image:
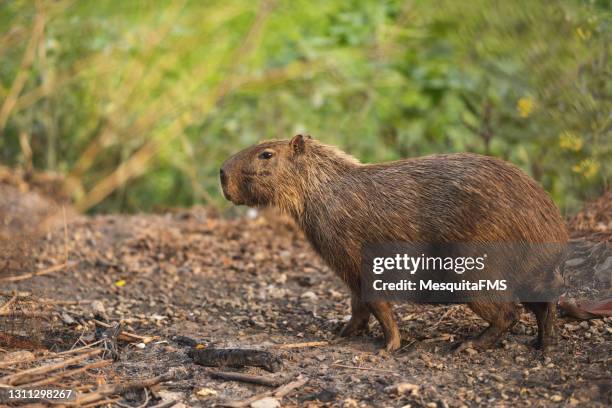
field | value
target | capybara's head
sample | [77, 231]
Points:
[254, 175]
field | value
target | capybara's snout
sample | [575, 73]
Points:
[224, 180]
[223, 177]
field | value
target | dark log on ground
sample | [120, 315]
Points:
[237, 358]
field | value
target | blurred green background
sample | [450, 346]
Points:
[139, 102]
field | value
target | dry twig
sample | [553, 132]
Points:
[127, 336]
[303, 345]
[46, 271]
[69, 373]
[253, 379]
[380, 370]
[22, 376]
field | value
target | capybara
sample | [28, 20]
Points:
[342, 205]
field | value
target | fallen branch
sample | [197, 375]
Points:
[79, 349]
[253, 379]
[280, 392]
[55, 378]
[380, 370]
[303, 345]
[17, 378]
[47, 271]
[585, 310]
[29, 295]
[443, 337]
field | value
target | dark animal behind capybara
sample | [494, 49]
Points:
[343, 205]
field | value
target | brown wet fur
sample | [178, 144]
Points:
[342, 204]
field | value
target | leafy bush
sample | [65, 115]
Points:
[139, 103]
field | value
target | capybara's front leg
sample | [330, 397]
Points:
[360, 316]
[384, 314]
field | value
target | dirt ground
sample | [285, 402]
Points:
[192, 277]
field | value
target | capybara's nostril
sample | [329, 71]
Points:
[223, 177]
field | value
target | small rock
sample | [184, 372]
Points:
[309, 295]
[350, 403]
[141, 346]
[206, 392]
[471, 351]
[97, 307]
[556, 398]
[66, 318]
[407, 388]
[584, 325]
[497, 378]
[575, 262]
[267, 402]
[520, 359]
[157, 317]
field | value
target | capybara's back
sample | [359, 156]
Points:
[343, 205]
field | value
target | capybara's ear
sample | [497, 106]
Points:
[298, 143]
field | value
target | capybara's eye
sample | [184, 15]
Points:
[266, 155]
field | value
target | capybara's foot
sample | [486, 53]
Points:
[354, 327]
[360, 317]
[545, 313]
[384, 314]
[393, 344]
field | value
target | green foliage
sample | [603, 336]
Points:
[139, 103]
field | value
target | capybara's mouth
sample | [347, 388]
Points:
[230, 198]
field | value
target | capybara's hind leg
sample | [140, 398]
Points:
[545, 314]
[384, 314]
[360, 316]
[500, 316]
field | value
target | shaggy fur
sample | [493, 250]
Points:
[341, 205]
